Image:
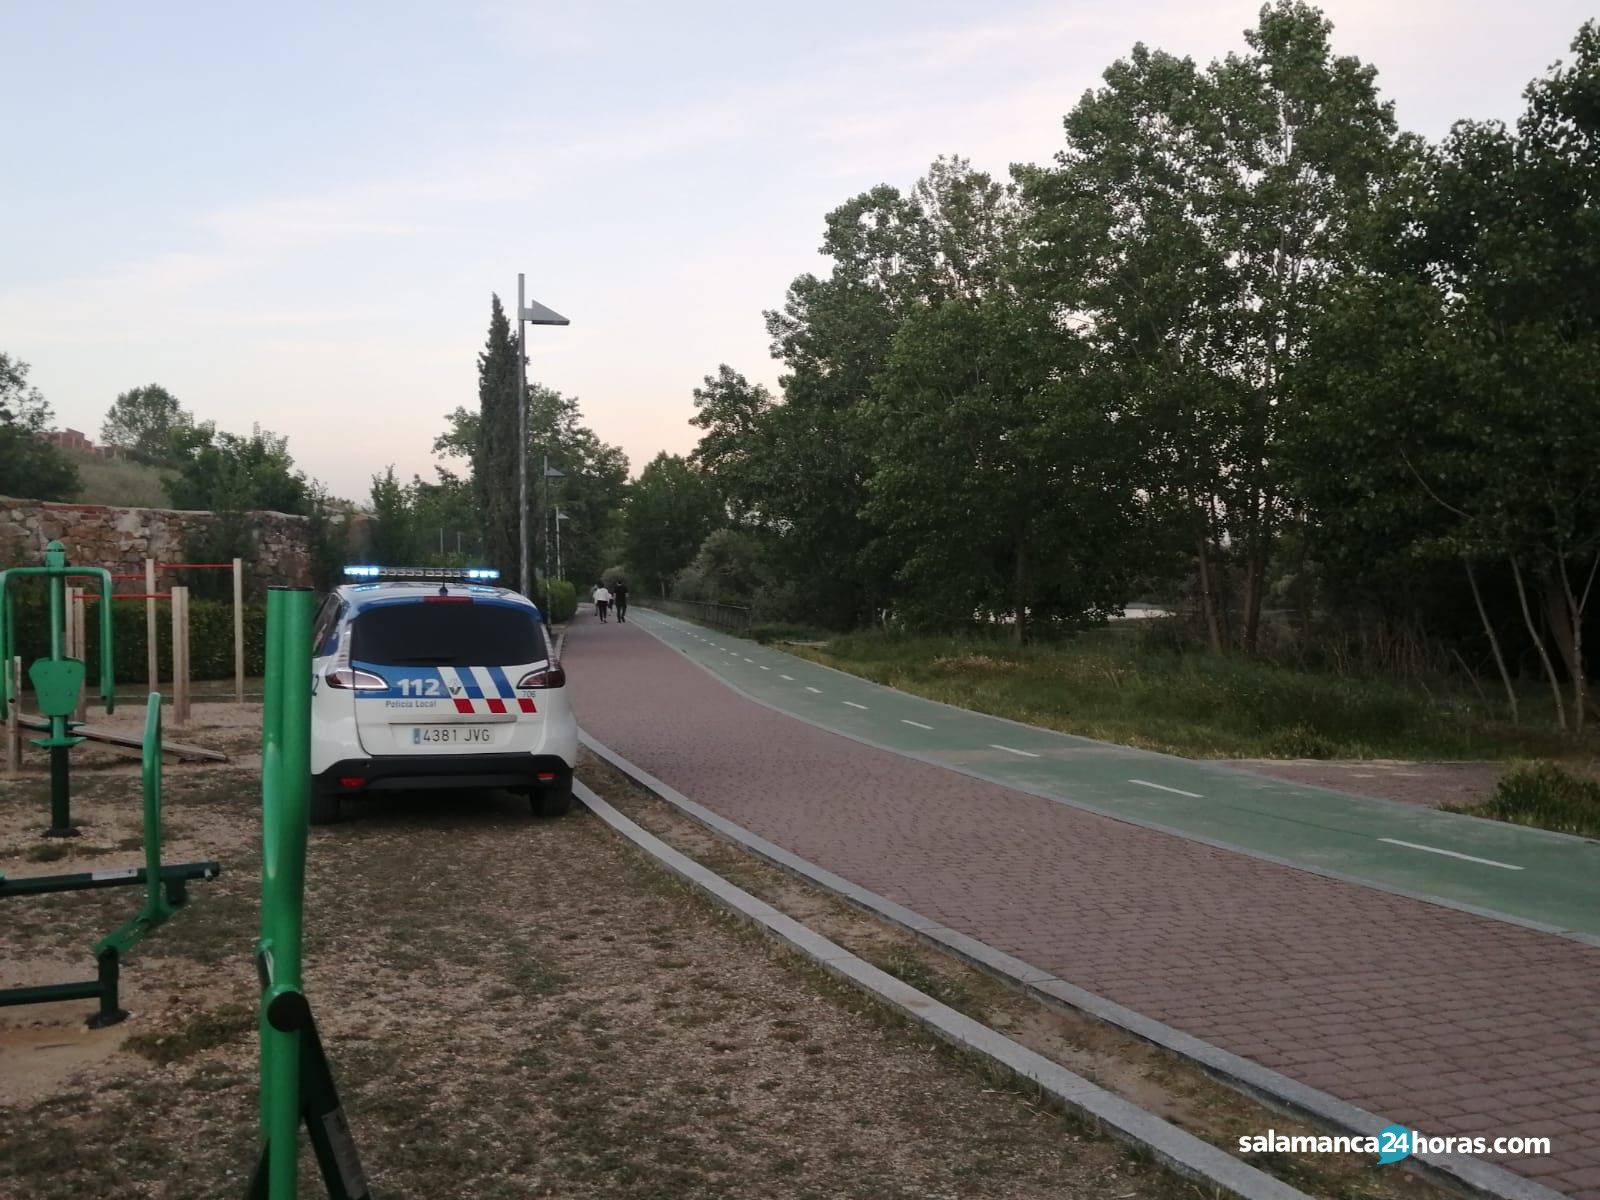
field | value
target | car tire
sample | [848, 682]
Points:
[552, 802]
[325, 806]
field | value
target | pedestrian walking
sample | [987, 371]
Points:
[602, 600]
[619, 599]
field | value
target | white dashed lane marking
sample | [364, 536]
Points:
[1488, 862]
[1009, 750]
[1163, 787]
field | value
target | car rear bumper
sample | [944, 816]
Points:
[415, 772]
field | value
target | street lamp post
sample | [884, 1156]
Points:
[560, 517]
[549, 474]
[528, 313]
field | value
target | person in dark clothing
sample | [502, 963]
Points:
[619, 599]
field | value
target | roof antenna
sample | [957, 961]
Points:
[443, 591]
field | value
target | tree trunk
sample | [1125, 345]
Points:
[1538, 644]
[1254, 586]
[1020, 595]
[1208, 606]
[1575, 608]
[1494, 642]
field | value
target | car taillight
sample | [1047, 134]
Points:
[356, 680]
[553, 676]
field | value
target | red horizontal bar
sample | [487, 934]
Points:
[135, 575]
[131, 596]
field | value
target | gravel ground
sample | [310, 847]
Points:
[512, 1007]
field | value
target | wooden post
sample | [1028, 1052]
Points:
[151, 651]
[180, 655]
[13, 670]
[80, 646]
[238, 631]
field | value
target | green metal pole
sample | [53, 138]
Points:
[154, 902]
[108, 681]
[55, 557]
[285, 786]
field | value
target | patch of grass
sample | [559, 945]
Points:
[1545, 796]
[1132, 690]
[216, 1027]
[48, 852]
[119, 481]
[767, 634]
[906, 965]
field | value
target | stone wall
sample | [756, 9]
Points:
[102, 535]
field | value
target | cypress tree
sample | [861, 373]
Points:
[494, 458]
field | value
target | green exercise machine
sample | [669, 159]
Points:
[166, 890]
[296, 1082]
[56, 682]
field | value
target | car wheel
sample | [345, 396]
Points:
[552, 802]
[325, 807]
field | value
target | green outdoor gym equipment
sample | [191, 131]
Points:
[57, 679]
[296, 1082]
[166, 891]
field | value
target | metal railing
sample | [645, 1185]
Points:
[730, 617]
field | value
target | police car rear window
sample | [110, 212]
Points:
[447, 635]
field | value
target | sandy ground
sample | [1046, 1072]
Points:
[513, 1008]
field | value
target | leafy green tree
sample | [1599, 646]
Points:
[729, 567]
[730, 409]
[30, 467]
[1459, 385]
[239, 474]
[671, 509]
[394, 540]
[445, 519]
[150, 424]
[589, 492]
[810, 460]
[1195, 221]
[1002, 483]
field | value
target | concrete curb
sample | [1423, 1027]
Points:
[1571, 935]
[1179, 1151]
[1456, 1171]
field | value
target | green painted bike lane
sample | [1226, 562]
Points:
[1529, 875]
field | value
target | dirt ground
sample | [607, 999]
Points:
[1430, 784]
[512, 1007]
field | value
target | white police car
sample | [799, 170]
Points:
[427, 677]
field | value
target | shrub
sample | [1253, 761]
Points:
[767, 634]
[1300, 741]
[1545, 795]
[558, 598]
[210, 637]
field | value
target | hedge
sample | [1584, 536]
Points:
[210, 636]
[559, 599]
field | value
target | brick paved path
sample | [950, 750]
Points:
[1438, 1020]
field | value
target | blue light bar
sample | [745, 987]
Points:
[434, 574]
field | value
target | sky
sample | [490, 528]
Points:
[295, 214]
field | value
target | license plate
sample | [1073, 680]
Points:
[451, 735]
